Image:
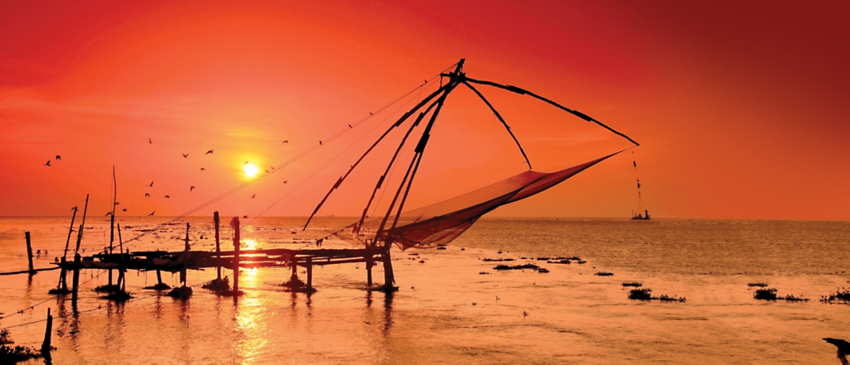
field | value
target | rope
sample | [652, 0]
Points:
[284, 164]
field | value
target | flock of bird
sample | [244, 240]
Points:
[191, 188]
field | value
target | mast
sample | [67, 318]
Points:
[112, 220]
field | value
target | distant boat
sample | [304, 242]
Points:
[641, 217]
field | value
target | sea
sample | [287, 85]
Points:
[452, 306]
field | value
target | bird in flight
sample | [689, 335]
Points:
[185, 155]
[320, 143]
[252, 196]
[167, 197]
[152, 213]
[246, 162]
[58, 157]
[203, 169]
[284, 181]
[48, 163]
[286, 141]
[267, 171]
[209, 152]
[349, 126]
[125, 209]
[191, 188]
[149, 141]
[116, 203]
[147, 195]
[151, 185]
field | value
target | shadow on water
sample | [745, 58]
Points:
[388, 313]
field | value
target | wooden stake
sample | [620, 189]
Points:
[217, 247]
[29, 252]
[45, 346]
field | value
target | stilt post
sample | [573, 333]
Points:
[158, 277]
[76, 282]
[45, 346]
[217, 247]
[29, 252]
[369, 265]
[389, 277]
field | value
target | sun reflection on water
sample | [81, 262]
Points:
[251, 326]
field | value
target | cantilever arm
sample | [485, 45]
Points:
[529, 93]
[500, 119]
[396, 124]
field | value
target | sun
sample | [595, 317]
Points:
[251, 170]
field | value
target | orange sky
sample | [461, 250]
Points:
[740, 109]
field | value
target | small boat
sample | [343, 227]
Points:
[641, 217]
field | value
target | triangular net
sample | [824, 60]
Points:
[440, 223]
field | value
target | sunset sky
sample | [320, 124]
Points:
[740, 108]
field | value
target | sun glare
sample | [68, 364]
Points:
[251, 170]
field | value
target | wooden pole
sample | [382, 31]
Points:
[293, 263]
[158, 277]
[369, 270]
[185, 257]
[389, 278]
[217, 247]
[121, 279]
[112, 220]
[235, 224]
[29, 252]
[309, 263]
[63, 274]
[63, 277]
[70, 230]
[82, 225]
[76, 283]
[45, 346]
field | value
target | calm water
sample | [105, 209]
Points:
[446, 312]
